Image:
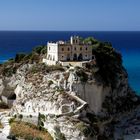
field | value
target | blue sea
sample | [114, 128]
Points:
[128, 43]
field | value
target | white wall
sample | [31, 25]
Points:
[52, 51]
[49, 62]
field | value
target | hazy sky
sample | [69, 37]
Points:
[70, 15]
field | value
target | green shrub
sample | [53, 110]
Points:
[12, 137]
[90, 40]
[19, 57]
[50, 82]
[109, 62]
[83, 129]
[83, 76]
[20, 116]
[40, 49]
[38, 138]
[41, 119]
[11, 120]
[9, 70]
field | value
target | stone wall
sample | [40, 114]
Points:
[30, 119]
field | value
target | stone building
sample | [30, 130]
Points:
[73, 50]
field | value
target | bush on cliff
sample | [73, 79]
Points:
[82, 75]
[19, 57]
[34, 56]
[42, 68]
[109, 62]
[42, 49]
[90, 40]
[9, 67]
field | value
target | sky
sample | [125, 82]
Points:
[70, 15]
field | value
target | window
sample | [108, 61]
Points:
[80, 48]
[85, 55]
[49, 48]
[50, 57]
[62, 49]
[86, 48]
[53, 58]
[68, 49]
[75, 48]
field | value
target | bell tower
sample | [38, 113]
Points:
[74, 40]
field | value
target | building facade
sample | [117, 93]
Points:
[74, 50]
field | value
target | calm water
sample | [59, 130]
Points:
[128, 43]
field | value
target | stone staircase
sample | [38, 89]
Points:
[6, 127]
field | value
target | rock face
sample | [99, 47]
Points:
[73, 103]
[53, 96]
[93, 94]
[1, 86]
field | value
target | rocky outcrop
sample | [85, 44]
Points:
[74, 103]
[65, 98]
[51, 94]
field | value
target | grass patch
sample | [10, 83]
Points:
[1, 126]
[28, 131]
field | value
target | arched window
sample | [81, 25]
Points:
[62, 49]
[80, 57]
[53, 58]
[50, 57]
[75, 48]
[86, 48]
[75, 57]
[68, 49]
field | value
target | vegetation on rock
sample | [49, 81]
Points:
[42, 68]
[82, 75]
[10, 67]
[28, 131]
[1, 126]
[109, 62]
